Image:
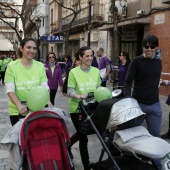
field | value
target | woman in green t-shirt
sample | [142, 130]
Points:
[82, 80]
[21, 75]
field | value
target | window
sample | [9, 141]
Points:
[51, 16]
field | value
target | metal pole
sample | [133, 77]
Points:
[89, 24]
[115, 40]
[38, 45]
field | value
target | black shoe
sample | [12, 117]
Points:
[166, 135]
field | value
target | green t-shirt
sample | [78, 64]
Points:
[2, 65]
[24, 79]
[82, 82]
[6, 61]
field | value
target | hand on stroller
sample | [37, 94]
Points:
[83, 96]
[22, 109]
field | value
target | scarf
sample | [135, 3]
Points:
[52, 64]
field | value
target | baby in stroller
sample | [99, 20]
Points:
[42, 137]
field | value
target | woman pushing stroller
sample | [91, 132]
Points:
[21, 75]
[82, 80]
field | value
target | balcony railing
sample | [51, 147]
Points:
[81, 19]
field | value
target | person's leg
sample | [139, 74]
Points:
[83, 140]
[2, 76]
[153, 117]
[153, 121]
[103, 84]
[14, 119]
[52, 96]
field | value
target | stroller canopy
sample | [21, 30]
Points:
[124, 111]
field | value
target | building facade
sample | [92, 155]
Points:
[115, 25]
[8, 39]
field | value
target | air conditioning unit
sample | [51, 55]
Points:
[166, 1]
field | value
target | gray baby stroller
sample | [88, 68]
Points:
[117, 124]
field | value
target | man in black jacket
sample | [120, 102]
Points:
[61, 62]
[144, 71]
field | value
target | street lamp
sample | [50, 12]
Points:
[38, 25]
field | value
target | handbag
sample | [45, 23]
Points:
[84, 124]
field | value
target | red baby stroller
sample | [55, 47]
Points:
[45, 141]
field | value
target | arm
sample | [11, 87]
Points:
[108, 71]
[21, 108]
[10, 88]
[165, 82]
[71, 89]
[129, 79]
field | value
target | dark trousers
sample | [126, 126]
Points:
[14, 119]
[103, 84]
[52, 96]
[83, 140]
[2, 76]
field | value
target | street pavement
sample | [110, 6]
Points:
[62, 102]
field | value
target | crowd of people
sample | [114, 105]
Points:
[142, 73]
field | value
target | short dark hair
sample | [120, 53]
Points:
[68, 57]
[124, 53]
[23, 42]
[82, 49]
[151, 40]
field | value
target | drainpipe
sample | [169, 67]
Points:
[115, 41]
[89, 24]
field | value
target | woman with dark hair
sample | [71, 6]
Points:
[21, 75]
[54, 75]
[75, 63]
[82, 80]
[123, 67]
[68, 64]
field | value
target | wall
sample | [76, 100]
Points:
[162, 30]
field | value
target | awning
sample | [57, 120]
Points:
[129, 22]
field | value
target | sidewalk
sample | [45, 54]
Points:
[62, 102]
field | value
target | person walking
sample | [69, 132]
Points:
[123, 67]
[68, 65]
[54, 75]
[82, 79]
[145, 71]
[61, 62]
[22, 75]
[94, 62]
[2, 69]
[104, 66]
[76, 63]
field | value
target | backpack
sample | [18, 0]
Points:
[45, 140]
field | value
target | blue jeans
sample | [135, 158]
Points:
[153, 117]
[153, 120]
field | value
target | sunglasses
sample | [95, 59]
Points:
[51, 57]
[152, 46]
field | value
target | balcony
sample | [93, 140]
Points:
[82, 18]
